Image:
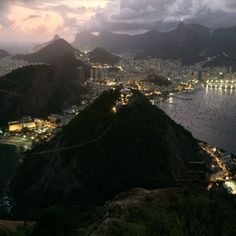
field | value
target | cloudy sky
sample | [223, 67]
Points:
[41, 19]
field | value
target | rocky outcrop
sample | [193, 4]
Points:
[119, 209]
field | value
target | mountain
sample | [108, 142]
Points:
[102, 153]
[47, 54]
[101, 56]
[3, 53]
[67, 65]
[40, 46]
[85, 40]
[191, 43]
[43, 89]
[36, 90]
[61, 54]
[223, 60]
[224, 34]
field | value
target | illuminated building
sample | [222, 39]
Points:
[26, 122]
[80, 75]
[15, 126]
[29, 124]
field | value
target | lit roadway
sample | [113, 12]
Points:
[225, 84]
[224, 173]
[17, 141]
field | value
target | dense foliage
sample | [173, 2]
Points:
[209, 214]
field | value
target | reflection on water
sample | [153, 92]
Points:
[210, 114]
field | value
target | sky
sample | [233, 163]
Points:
[40, 20]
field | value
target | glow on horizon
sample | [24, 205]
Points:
[18, 15]
[40, 21]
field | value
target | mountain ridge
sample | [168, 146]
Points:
[191, 43]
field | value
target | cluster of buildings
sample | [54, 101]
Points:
[171, 69]
[33, 130]
[125, 95]
[25, 122]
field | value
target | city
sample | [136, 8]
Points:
[117, 118]
[136, 75]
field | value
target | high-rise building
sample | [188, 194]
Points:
[99, 73]
[80, 75]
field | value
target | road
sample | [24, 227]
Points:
[16, 141]
[221, 175]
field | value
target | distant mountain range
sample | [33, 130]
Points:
[101, 153]
[191, 43]
[3, 53]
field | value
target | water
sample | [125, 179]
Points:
[10, 157]
[209, 114]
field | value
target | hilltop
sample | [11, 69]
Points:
[102, 153]
[101, 56]
[56, 48]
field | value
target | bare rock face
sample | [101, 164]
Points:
[119, 208]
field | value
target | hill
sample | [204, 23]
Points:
[67, 65]
[40, 46]
[102, 153]
[3, 53]
[223, 60]
[60, 54]
[57, 48]
[36, 91]
[101, 56]
[224, 34]
[159, 80]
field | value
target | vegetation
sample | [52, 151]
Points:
[64, 190]
[160, 80]
[9, 159]
[209, 214]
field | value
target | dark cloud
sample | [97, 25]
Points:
[31, 17]
[120, 15]
[160, 14]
